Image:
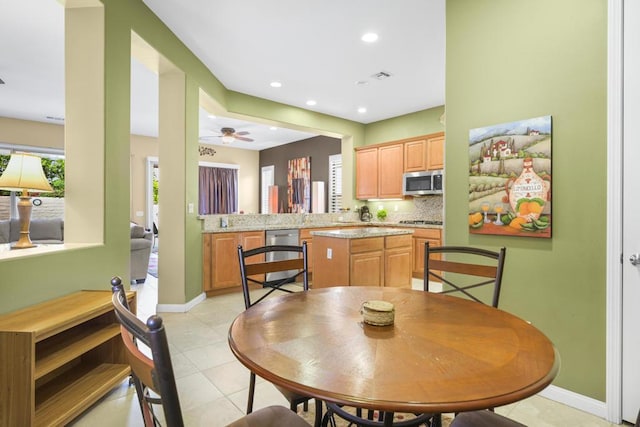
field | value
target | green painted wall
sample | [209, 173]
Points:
[516, 59]
[409, 125]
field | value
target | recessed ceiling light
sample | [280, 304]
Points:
[369, 37]
[362, 110]
[273, 128]
[311, 102]
[211, 116]
[275, 84]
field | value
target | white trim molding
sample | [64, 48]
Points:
[614, 211]
[181, 308]
[575, 400]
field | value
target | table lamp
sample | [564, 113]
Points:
[24, 173]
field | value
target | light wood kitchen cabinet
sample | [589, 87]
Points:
[367, 173]
[367, 269]
[221, 268]
[59, 357]
[435, 153]
[371, 261]
[390, 170]
[379, 168]
[424, 153]
[379, 171]
[415, 155]
[398, 261]
[420, 237]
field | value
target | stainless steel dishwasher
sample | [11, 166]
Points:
[281, 237]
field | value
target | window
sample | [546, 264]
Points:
[218, 189]
[45, 205]
[267, 179]
[335, 183]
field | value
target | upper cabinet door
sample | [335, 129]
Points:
[390, 170]
[367, 173]
[415, 155]
[435, 153]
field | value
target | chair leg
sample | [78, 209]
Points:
[305, 406]
[252, 388]
[436, 420]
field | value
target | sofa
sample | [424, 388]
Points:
[47, 231]
[141, 243]
[42, 231]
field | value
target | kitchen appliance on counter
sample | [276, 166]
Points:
[277, 238]
[365, 215]
[422, 183]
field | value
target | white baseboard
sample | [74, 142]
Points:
[575, 400]
[181, 308]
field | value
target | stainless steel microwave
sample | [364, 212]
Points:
[422, 183]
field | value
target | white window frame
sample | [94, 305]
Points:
[267, 179]
[335, 183]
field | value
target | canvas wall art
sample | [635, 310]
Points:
[299, 185]
[510, 178]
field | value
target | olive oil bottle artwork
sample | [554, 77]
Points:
[510, 178]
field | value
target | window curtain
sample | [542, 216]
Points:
[218, 189]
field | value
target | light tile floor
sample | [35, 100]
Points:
[213, 385]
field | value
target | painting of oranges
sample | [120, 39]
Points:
[510, 178]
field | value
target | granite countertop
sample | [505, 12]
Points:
[263, 222]
[346, 225]
[361, 232]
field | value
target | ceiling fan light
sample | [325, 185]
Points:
[227, 139]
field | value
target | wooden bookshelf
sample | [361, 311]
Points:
[59, 357]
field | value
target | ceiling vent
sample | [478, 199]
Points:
[381, 75]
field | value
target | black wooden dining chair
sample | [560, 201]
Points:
[255, 266]
[467, 269]
[155, 376]
[289, 262]
[463, 269]
[369, 418]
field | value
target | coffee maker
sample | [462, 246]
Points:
[365, 215]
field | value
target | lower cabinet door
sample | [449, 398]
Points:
[367, 269]
[398, 267]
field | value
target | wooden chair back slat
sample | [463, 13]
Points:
[274, 266]
[462, 268]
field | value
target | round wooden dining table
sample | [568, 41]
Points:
[442, 353]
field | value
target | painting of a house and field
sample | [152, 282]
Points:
[510, 178]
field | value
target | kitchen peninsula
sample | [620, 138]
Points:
[221, 272]
[366, 256]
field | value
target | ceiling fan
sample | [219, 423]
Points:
[228, 135]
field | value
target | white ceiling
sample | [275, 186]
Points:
[313, 49]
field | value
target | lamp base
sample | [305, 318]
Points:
[24, 213]
[23, 243]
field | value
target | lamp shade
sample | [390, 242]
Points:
[24, 172]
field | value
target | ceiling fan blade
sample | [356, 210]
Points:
[244, 132]
[243, 138]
